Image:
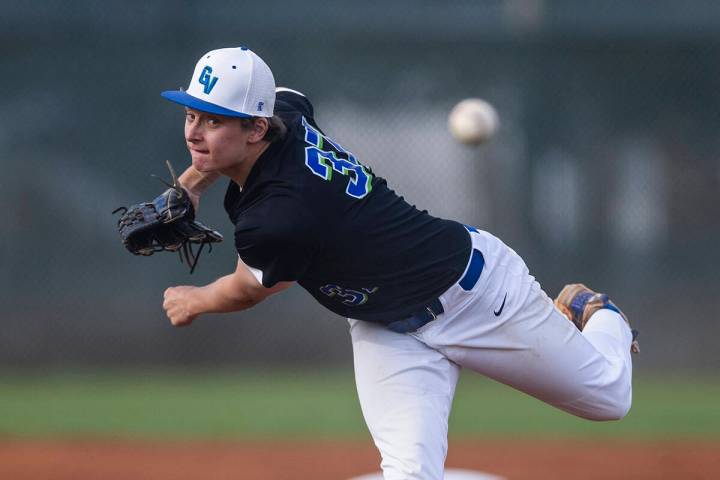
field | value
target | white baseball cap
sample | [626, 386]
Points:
[229, 81]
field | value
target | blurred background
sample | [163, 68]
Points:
[605, 169]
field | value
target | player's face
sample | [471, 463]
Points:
[216, 142]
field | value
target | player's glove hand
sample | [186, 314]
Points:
[166, 224]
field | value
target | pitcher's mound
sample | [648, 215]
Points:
[450, 474]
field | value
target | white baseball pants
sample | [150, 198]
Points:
[406, 382]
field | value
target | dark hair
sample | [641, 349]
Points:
[276, 128]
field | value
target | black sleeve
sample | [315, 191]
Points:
[277, 237]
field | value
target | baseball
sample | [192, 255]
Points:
[473, 121]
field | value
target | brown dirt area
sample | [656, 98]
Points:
[333, 460]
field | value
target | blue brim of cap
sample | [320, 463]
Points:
[183, 98]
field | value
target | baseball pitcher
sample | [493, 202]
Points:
[424, 296]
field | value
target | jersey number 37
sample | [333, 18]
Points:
[322, 156]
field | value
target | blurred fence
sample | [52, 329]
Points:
[606, 169]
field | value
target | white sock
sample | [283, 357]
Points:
[609, 334]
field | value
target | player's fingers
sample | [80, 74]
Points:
[178, 316]
[168, 304]
[174, 318]
[181, 320]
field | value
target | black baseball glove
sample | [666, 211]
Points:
[166, 224]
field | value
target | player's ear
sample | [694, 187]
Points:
[259, 128]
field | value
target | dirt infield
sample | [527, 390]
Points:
[539, 459]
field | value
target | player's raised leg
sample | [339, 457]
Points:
[406, 391]
[509, 330]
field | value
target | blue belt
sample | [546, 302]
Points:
[435, 308]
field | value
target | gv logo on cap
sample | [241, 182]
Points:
[207, 81]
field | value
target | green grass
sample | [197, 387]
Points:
[662, 408]
[286, 404]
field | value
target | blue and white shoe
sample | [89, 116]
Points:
[578, 303]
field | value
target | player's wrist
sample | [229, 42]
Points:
[201, 301]
[194, 198]
[196, 182]
[223, 296]
[210, 299]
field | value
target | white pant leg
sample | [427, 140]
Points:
[406, 391]
[531, 346]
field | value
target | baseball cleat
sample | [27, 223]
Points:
[578, 303]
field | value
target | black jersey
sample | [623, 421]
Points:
[310, 212]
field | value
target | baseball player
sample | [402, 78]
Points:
[424, 296]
